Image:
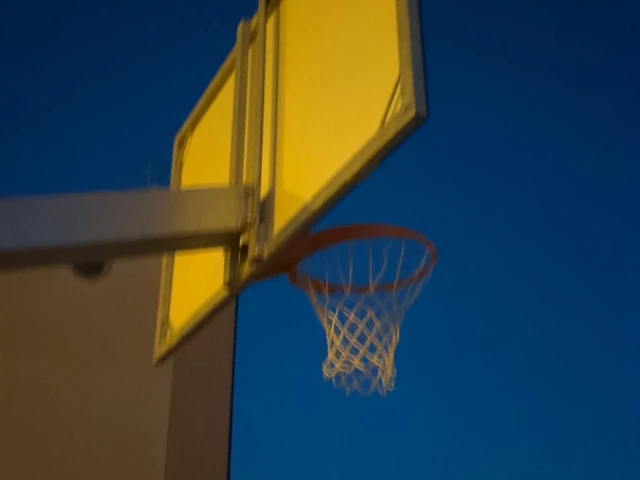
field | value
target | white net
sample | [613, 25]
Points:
[361, 298]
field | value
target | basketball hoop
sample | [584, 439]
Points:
[361, 280]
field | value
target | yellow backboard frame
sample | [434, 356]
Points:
[406, 110]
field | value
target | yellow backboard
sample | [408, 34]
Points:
[343, 85]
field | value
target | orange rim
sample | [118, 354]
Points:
[317, 242]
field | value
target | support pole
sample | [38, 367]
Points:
[89, 227]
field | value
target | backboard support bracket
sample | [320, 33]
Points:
[256, 131]
[247, 137]
[233, 253]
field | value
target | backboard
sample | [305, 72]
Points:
[339, 85]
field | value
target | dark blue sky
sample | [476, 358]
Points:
[522, 358]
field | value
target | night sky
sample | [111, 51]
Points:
[521, 360]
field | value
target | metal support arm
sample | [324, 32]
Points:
[76, 228]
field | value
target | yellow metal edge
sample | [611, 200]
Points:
[412, 75]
